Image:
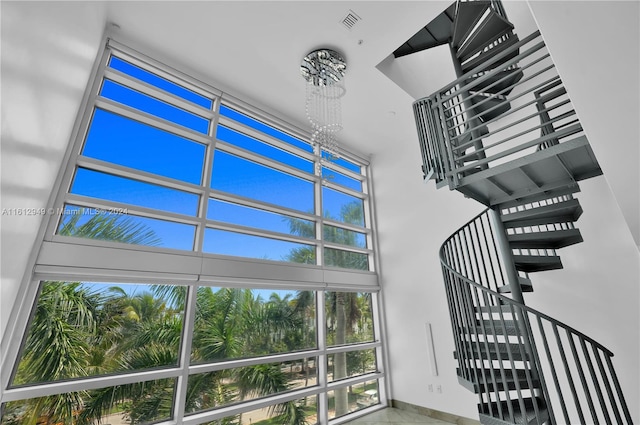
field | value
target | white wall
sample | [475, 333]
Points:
[48, 50]
[596, 48]
[413, 220]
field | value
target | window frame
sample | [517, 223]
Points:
[69, 258]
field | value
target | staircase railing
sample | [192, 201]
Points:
[539, 365]
[534, 115]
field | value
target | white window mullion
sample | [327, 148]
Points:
[205, 180]
[321, 320]
[180, 396]
[76, 144]
[86, 384]
[259, 159]
[319, 208]
[134, 174]
[152, 91]
[150, 120]
[265, 138]
[253, 203]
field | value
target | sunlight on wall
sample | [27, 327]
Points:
[48, 50]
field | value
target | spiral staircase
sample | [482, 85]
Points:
[504, 133]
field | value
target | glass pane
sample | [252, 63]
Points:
[267, 129]
[237, 323]
[350, 363]
[242, 177]
[339, 178]
[256, 146]
[142, 402]
[145, 103]
[349, 317]
[161, 83]
[120, 189]
[342, 162]
[82, 329]
[344, 236]
[254, 217]
[342, 207]
[122, 227]
[346, 259]
[352, 398]
[210, 390]
[123, 141]
[225, 242]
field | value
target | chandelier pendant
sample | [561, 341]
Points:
[324, 72]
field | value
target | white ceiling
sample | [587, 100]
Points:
[254, 50]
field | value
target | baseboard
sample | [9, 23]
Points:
[433, 413]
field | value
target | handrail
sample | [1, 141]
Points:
[456, 123]
[488, 324]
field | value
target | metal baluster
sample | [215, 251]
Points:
[594, 378]
[583, 380]
[568, 373]
[607, 385]
[517, 313]
[504, 380]
[488, 385]
[554, 374]
[616, 383]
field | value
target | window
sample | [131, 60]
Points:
[189, 272]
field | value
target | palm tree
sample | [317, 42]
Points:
[108, 227]
[65, 330]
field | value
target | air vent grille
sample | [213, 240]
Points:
[350, 20]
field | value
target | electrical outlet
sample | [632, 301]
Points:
[439, 389]
[430, 388]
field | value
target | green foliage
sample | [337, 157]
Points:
[80, 330]
[108, 227]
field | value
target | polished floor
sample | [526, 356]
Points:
[392, 416]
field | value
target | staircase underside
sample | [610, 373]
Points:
[545, 171]
[435, 33]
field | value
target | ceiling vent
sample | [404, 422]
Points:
[350, 20]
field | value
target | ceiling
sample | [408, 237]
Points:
[253, 50]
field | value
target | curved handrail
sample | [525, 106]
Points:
[528, 309]
[490, 325]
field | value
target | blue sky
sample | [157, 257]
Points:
[126, 142]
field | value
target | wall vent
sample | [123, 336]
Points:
[350, 20]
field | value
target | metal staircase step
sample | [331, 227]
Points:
[494, 309]
[525, 286]
[487, 108]
[467, 16]
[492, 27]
[482, 380]
[545, 173]
[494, 327]
[528, 416]
[498, 351]
[560, 212]
[536, 263]
[548, 240]
[540, 196]
[491, 53]
[507, 78]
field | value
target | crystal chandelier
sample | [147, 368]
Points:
[324, 72]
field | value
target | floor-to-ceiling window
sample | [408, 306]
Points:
[203, 263]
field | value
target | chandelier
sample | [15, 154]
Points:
[324, 72]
